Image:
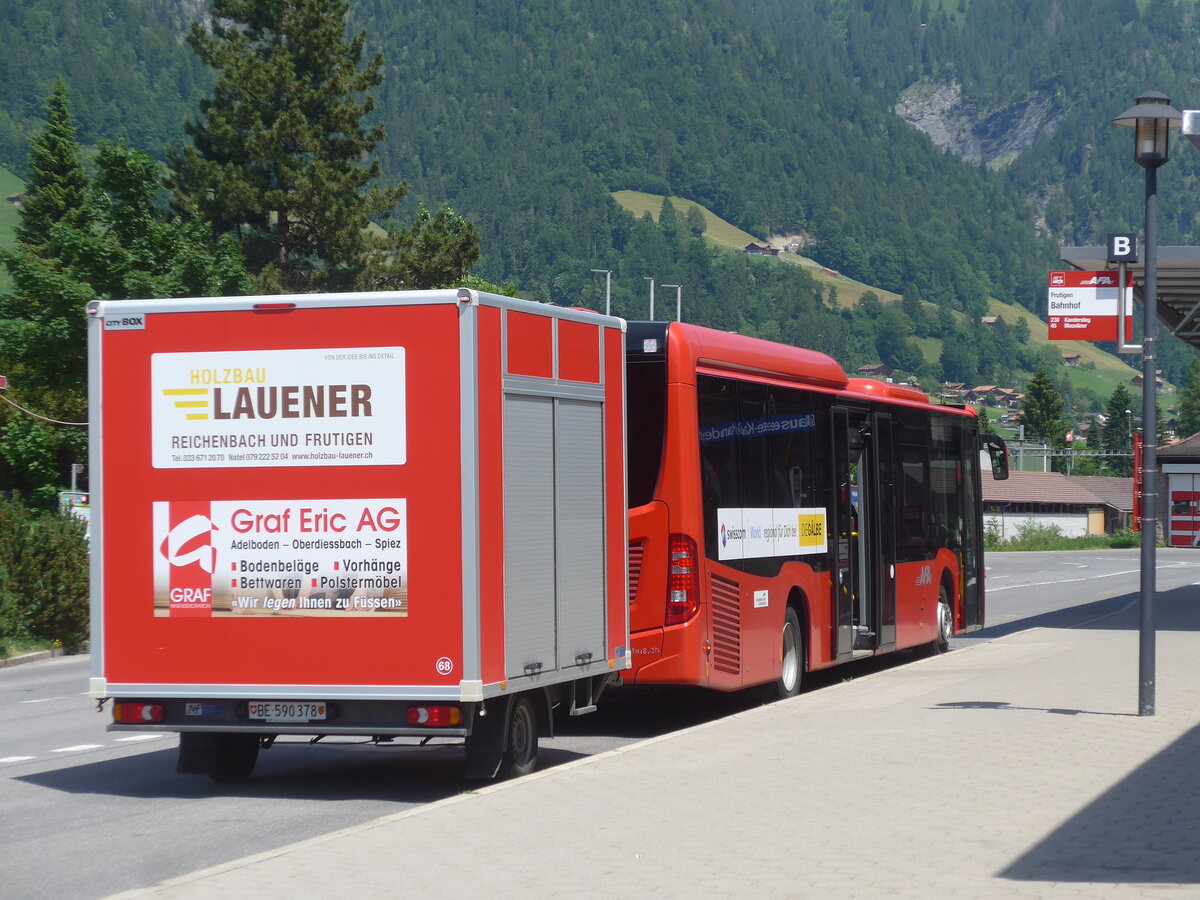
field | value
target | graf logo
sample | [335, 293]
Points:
[191, 542]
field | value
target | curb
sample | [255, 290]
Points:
[36, 656]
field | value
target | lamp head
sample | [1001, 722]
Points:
[1151, 118]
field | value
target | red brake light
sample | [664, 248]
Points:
[435, 716]
[683, 580]
[137, 713]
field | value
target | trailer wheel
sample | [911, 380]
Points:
[235, 757]
[521, 753]
[945, 621]
[792, 657]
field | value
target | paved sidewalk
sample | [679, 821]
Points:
[1015, 768]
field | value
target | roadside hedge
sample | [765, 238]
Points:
[43, 576]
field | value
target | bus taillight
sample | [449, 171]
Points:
[683, 580]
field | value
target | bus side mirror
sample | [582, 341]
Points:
[997, 452]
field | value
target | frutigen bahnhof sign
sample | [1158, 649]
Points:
[1084, 306]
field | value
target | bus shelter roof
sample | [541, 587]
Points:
[1178, 284]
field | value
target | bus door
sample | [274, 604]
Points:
[972, 534]
[880, 467]
[847, 580]
[865, 585]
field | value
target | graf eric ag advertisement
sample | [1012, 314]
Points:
[311, 407]
[332, 558]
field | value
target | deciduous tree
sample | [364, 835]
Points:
[111, 241]
[437, 250]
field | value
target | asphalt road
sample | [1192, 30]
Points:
[88, 813]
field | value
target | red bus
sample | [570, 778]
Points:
[784, 518]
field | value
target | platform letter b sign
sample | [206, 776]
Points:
[1122, 248]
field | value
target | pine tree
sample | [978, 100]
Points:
[1021, 331]
[1042, 409]
[58, 189]
[1189, 402]
[1117, 435]
[279, 147]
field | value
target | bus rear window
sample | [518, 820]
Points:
[645, 406]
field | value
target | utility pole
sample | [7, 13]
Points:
[607, 289]
[678, 300]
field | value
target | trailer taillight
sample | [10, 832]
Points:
[435, 716]
[137, 713]
[683, 580]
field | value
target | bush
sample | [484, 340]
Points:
[1034, 536]
[1126, 539]
[43, 576]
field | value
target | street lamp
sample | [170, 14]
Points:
[678, 300]
[607, 289]
[1151, 119]
[651, 280]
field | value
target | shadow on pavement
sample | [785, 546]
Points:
[400, 774]
[1005, 706]
[1144, 829]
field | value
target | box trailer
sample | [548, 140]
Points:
[387, 515]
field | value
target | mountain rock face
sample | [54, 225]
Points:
[992, 138]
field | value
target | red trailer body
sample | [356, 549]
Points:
[382, 514]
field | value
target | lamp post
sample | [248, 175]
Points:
[1151, 119]
[651, 280]
[607, 289]
[678, 300]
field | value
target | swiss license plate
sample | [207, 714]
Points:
[287, 710]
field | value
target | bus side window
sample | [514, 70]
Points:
[717, 411]
[912, 528]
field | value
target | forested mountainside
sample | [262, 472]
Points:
[782, 116]
[715, 100]
[129, 73]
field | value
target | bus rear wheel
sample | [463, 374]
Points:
[945, 621]
[792, 657]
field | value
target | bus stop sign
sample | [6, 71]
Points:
[1082, 306]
